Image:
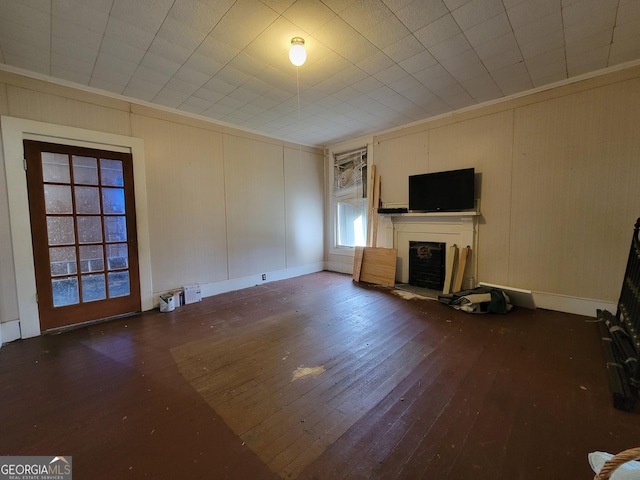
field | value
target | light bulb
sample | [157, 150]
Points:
[297, 54]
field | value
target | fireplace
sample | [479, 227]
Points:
[443, 228]
[426, 264]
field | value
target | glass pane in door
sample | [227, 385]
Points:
[65, 291]
[93, 287]
[113, 201]
[57, 199]
[91, 258]
[60, 230]
[117, 256]
[89, 229]
[118, 283]
[55, 167]
[87, 200]
[85, 170]
[111, 172]
[62, 261]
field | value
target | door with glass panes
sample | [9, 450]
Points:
[83, 224]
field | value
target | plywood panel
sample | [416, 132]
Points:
[484, 143]
[186, 203]
[395, 160]
[576, 174]
[379, 266]
[52, 108]
[304, 197]
[254, 186]
[8, 292]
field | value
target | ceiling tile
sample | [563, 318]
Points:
[365, 15]
[142, 89]
[420, 13]
[159, 64]
[34, 15]
[453, 4]
[124, 32]
[477, 11]
[75, 33]
[418, 62]
[387, 32]
[541, 45]
[627, 30]
[217, 50]
[593, 59]
[181, 34]
[147, 15]
[71, 66]
[455, 96]
[404, 49]
[549, 26]
[482, 88]
[375, 63]
[372, 64]
[309, 15]
[169, 51]
[72, 75]
[434, 78]
[450, 47]
[357, 49]
[512, 78]
[191, 75]
[122, 50]
[526, 12]
[464, 66]
[109, 63]
[79, 13]
[438, 31]
[625, 50]
[489, 30]
[74, 51]
[601, 12]
[195, 105]
[22, 35]
[199, 15]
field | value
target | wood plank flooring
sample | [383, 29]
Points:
[404, 389]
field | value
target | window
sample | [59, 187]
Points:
[349, 198]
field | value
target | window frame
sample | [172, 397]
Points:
[353, 147]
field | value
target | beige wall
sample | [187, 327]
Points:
[560, 174]
[222, 204]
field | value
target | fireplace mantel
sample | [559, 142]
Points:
[459, 228]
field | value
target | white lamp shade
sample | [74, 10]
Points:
[297, 54]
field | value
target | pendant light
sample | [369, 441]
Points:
[297, 54]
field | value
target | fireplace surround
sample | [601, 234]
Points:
[449, 228]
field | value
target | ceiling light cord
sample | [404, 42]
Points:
[299, 114]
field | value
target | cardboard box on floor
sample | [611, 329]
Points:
[375, 265]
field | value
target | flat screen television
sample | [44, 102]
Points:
[449, 191]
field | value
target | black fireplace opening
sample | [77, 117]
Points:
[427, 264]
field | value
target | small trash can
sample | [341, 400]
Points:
[167, 302]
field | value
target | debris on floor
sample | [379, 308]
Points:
[302, 372]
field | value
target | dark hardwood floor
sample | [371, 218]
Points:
[315, 377]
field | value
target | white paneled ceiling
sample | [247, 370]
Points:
[372, 65]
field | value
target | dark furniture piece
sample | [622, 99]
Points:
[621, 334]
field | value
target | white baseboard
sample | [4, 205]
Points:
[9, 331]
[550, 301]
[211, 289]
[579, 306]
[339, 267]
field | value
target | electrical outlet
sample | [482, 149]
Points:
[264, 276]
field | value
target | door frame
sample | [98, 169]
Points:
[14, 131]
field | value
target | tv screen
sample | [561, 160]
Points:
[449, 191]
